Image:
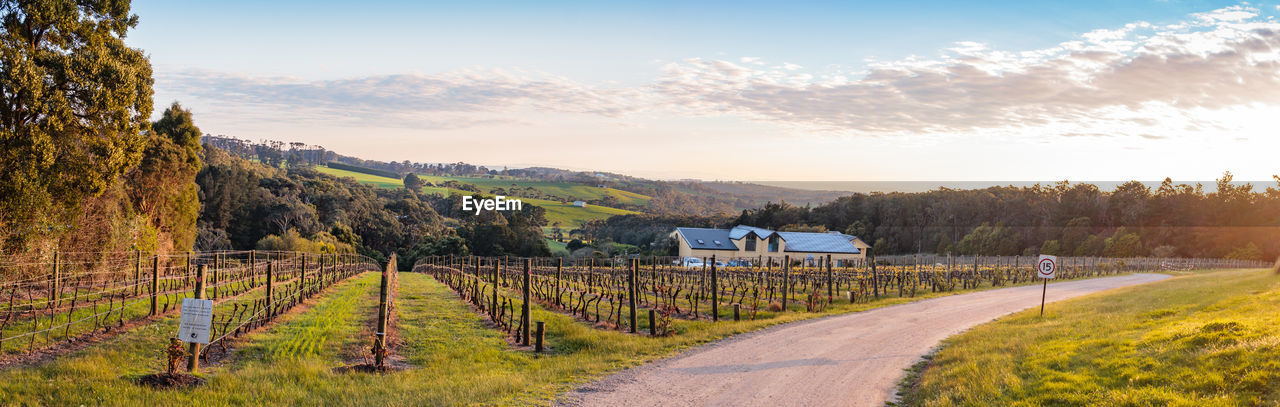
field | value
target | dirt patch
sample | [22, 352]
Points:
[368, 368]
[170, 381]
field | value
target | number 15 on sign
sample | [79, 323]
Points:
[1046, 268]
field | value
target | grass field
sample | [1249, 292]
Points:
[1206, 339]
[568, 216]
[553, 190]
[557, 246]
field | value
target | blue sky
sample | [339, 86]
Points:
[620, 87]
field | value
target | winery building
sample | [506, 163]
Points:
[746, 242]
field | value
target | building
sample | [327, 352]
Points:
[746, 242]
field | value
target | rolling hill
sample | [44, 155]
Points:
[566, 215]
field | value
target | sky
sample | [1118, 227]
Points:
[813, 91]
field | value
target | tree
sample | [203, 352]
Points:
[1248, 252]
[74, 103]
[412, 182]
[1122, 244]
[163, 186]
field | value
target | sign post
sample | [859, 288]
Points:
[1046, 268]
[196, 321]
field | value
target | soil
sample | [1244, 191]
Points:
[170, 381]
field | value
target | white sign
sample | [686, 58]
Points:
[1047, 267]
[197, 318]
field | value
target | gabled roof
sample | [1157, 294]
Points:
[707, 239]
[742, 230]
[818, 242]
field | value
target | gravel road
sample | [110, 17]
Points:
[850, 360]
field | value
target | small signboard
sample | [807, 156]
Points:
[197, 318]
[1047, 267]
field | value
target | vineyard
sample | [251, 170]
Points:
[66, 296]
[611, 292]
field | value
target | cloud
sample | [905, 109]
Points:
[1150, 81]
[437, 101]
[1133, 78]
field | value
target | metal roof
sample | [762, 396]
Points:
[817, 242]
[742, 230]
[707, 239]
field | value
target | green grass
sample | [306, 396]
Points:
[1197, 340]
[285, 365]
[379, 181]
[553, 190]
[568, 216]
[557, 246]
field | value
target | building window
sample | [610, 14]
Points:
[773, 244]
[751, 243]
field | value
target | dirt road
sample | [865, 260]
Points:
[854, 359]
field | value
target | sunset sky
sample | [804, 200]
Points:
[999, 91]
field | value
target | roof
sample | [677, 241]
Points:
[707, 239]
[845, 235]
[817, 242]
[828, 242]
[742, 230]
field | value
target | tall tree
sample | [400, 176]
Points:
[73, 103]
[163, 187]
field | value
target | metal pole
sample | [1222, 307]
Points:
[1043, 291]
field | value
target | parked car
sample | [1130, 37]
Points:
[691, 262]
[738, 263]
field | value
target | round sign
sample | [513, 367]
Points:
[1047, 267]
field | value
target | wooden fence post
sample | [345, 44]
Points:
[217, 264]
[54, 281]
[193, 350]
[715, 292]
[524, 309]
[381, 339]
[497, 264]
[137, 273]
[653, 323]
[538, 338]
[631, 292]
[786, 281]
[559, 265]
[271, 271]
[875, 277]
[831, 293]
[155, 284]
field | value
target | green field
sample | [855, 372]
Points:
[557, 246]
[553, 190]
[1206, 339]
[568, 216]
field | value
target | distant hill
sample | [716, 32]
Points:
[566, 215]
[596, 188]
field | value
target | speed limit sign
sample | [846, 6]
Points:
[1047, 267]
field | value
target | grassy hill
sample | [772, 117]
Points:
[551, 190]
[1194, 340]
[567, 215]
